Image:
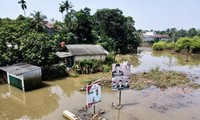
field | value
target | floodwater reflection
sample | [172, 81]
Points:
[178, 59]
[28, 105]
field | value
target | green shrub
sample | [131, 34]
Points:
[195, 44]
[106, 68]
[171, 46]
[110, 58]
[93, 66]
[161, 45]
[184, 43]
[87, 66]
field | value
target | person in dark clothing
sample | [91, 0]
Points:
[126, 84]
[120, 85]
[117, 71]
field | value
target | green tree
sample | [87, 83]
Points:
[112, 23]
[20, 41]
[67, 28]
[65, 6]
[107, 43]
[11, 32]
[198, 33]
[61, 9]
[83, 29]
[192, 32]
[159, 45]
[23, 5]
[184, 43]
[172, 34]
[38, 20]
[69, 21]
[195, 44]
[38, 49]
[181, 33]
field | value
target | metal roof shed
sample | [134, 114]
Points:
[23, 76]
[82, 52]
[79, 52]
[86, 49]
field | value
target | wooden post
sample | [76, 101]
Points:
[119, 98]
[119, 106]
[118, 114]
[94, 109]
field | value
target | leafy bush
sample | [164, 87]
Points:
[106, 68]
[87, 66]
[184, 43]
[161, 45]
[195, 44]
[110, 58]
[93, 66]
[171, 46]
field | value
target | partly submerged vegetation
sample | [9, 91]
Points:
[93, 66]
[155, 77]
[189, 45]
[160, 79]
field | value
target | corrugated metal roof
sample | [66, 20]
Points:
[63, 54]
[86, 50]
[20, 68]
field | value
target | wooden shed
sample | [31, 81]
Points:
[23, 76]
[80, 52]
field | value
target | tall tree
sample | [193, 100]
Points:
[10, 33]
[172, 34]
[112, 23]
[38, 16]
[181, 33]
[83, 30]
[61, 9]
[23, 5]
[65, 6]
[192, 32]
[39, 19]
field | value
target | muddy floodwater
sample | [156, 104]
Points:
[48, 102]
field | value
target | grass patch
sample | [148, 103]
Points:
[161, 79]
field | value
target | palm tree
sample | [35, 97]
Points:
[39, 19]
[61, 9]
[23, 5]
[65, 6]
[38, 16]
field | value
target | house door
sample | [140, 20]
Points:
[15, 82]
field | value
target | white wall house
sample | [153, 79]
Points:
[83, 52]
[150, 33]
[149, 36]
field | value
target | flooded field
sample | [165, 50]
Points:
[49, 102]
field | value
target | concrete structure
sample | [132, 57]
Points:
[23, 76]
[149, 36]
[83, 52]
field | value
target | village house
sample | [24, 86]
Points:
[81, 52]
[150, 36]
